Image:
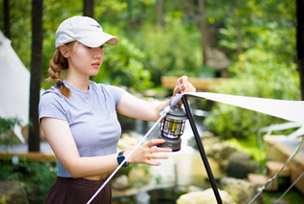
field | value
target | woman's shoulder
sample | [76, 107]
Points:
[52, 104]
[51, 94]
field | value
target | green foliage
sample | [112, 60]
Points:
[54, 12]
[174, 50]
[20, 23]
[7, 124]
[264, 30]
[251, 146]
[123, 66]
[293, 196]
[265, 68]
[37, 176]
[6, 127]
[269, 25]
[148, 51]
[261, 75]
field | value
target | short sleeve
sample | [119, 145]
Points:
[51, 105]
[117, 93]
[114, 92]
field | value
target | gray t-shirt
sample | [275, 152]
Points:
[91, 116]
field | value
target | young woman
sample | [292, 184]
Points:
[79, 116]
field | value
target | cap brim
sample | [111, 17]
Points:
[96, 40]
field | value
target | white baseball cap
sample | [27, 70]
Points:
[85, 30]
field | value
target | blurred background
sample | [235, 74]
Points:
[237, 47]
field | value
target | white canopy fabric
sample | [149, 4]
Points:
[286, 109]
[14, 83]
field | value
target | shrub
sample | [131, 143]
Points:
[257, 74]
[123, 65]
[6, 127]
[174, 50]
[37, 176]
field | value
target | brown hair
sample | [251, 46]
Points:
[58, 64]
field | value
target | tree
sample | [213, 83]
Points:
[88, 8]
[36, 68]
[201, 5]
[160, 17]
[300, 42]
[6, 12]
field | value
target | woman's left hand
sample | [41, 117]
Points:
[149, 153]
[185, 85]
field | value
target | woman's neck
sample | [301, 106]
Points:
[82, 85]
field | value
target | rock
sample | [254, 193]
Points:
[241, 191]
[127, 141]
[204, 197]
[217, 59]
[143, 198]
[120, 183]
[240, 165]
[12, 192]
[225, 153]
[220, 151]
[138, 177]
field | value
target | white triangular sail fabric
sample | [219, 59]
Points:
[285, 109]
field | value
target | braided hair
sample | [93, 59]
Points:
[58, 64]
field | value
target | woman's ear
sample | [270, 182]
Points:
[64, 50]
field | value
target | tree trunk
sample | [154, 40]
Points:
[201, 5]
[188, 11]
[300, 42]
[88, 8]
[238, 35]
[7, 24]
[239, 40]
[36, 67]
[160, 17]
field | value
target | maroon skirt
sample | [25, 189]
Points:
[70, 190]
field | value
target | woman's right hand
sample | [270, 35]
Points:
[146, 153]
